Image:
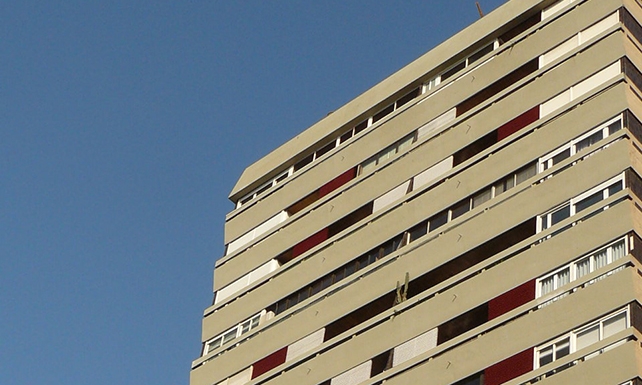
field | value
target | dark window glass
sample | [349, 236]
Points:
[615, 126]
[477, 379]
[588, 201]
[452, 71]
[315, 288]
[263, 189]
[497, 87]
[408, 97]
[293, 300]
[505, 184]
[381, 114]
[372, 257]
[280, 306]
[303, 162]
[304, 294]
[560, 215]
[345, 136]
[396, 242]
[562, 349]
[281, 178]
[325, 149]
[561, 156]
[339, 274]
[247, 199]
[591, 140]
[475, 148]
[418, 231]
[360, 127]
[546, 357]
[481, 197]
[438, 220]
[460, 209]
[326, 281]
[545, 224]
[615, 187]
[509, 182]
[387, 248]
[477, 55]
[526, 173]
[521, 27]
[499, 187]
[284, 304]
[350, 269]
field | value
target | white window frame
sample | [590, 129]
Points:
[572, 267]
[604, 187]
[253, 322]
[247, 198]
[396, 147]
[544, 220]
[555, 275]
[572, 336]
[545, 162]
[553, 345]
[435, 81]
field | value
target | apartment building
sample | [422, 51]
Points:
[472, 219]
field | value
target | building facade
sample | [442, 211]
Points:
[472, 219]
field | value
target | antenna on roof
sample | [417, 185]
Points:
[481, 13]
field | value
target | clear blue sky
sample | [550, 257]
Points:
[124, 125]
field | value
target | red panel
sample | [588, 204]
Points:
[518, 123]
[512, 299]
[509, 368]
[337, 182]
[270, 362]
[310, 242]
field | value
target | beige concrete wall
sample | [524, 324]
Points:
[402, 217]
[460, 357]
[470, 293]
[567, 74]
[439, 250]
[432, 61]
[369, 143]
[466, 359]
[613, 367]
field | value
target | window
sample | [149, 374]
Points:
[438, 220]
[580, 143]
[553, 281]
[459, 209]
[490, 192]
[477, 379]
[580, 88]
[581, 202]
[555, 216]
[555, 8]
[387, 153]
[233, 333]
[578, 39]
[554, 351]
[581, 267]
[450, 72]
[583, 337]
[369, 121]
[514, 179]
[256, 232]
[264, 187]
